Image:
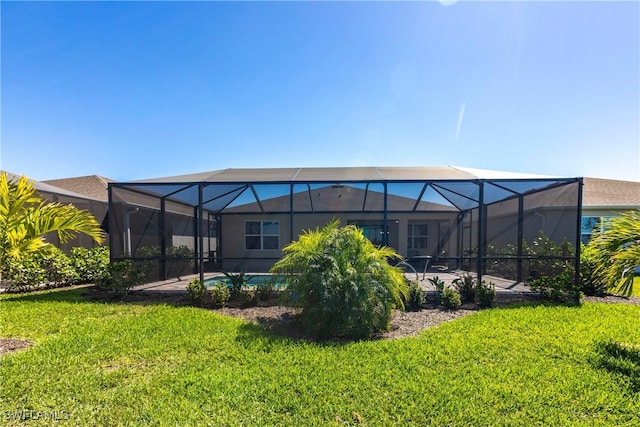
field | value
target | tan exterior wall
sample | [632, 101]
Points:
[236, 257]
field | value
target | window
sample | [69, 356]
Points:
[262, 235]
[418, 236]
[592, 225]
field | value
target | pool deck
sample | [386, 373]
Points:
[504, 287]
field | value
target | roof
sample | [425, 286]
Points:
[93, 186]
[44, 187]
[600, 193]
[442, 186]
[342, 174]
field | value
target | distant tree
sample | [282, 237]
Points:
[25, 218]
[616, 251]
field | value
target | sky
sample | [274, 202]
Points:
[135, 90]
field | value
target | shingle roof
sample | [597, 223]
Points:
[93, 186]
[46, 187]
[598, 192]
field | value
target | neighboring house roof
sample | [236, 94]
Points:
[45, 187]
[93, 186]
[610, 193]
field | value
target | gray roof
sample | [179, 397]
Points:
[44, 187]
[598, 192]
[94, 186]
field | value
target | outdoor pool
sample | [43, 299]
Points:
[251, 281]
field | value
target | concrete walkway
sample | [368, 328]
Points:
[503, 286]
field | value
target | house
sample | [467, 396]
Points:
[603, 199]
[242, 218]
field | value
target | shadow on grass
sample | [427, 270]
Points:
[621, 359]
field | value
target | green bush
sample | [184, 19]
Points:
[439, 285]
[50, 267]
[197, 291]
[589, 285]
[26, 274]
[450, 298]
[248, 298]
[58, 268]
[466, 286]
[416, 296]
[122, 276]
[344, 284]
[559, 288]
[265, 291]
[237, 283]
[485, 294]
[220, 295]
[91, 265]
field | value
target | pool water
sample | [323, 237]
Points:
[251, 280]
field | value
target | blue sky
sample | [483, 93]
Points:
[133, 90]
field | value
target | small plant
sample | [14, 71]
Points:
[439, 285]
[485, 294]
[416, 296]
[220, 295]
[466, 286]
[237, 282]
[450, 298]
[265, 291]
[248, 298]
[122, 276]
[197, 291]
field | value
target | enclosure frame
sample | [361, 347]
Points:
[475, 209]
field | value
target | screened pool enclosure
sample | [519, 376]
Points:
[488, 223]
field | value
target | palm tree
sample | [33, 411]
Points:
[617, 252]
[25, 218]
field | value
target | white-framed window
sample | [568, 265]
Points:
[418, 236]
[591, 225]
[261, 235]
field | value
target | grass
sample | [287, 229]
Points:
[134, 364]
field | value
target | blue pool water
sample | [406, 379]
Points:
[251, 280]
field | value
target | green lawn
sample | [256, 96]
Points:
[132, 364]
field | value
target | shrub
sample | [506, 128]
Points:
[248, 298]
[466, 286]
[265, 291]
[344, 284]
[91, 265]
[589, 285]
[439, 285]
[26, 274]
[485, 294]
[122, 276]
[237, 282]
[559, 288]
[220, 295]
[450, 298]
[58, 268]
[50, 267]
[416, 296]
[197, 291]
